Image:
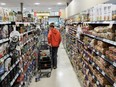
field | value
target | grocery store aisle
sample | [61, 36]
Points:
[63, 76]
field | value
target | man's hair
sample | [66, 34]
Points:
[52, 25]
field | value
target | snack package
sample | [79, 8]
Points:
[5, 31]
[79, 31]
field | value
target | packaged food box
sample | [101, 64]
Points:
[102, 44]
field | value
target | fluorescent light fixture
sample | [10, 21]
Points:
[36, 3]
[49, 8]
[24, 8]
[3, 3]
[59, 3]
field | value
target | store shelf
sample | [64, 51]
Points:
[103, 56]
[98, 53]
[4, 40]
[25, 23]
[5, 57]
[12, 82]
[6, 73]
[101, 22]
[103, 73]
[27, 32]
[21, 84]
[26, 42]
[5, 23]
[94, 77]
[101, 39]
[100, 70]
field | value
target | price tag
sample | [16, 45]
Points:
[114, 43]
[114, 63]
[88, 82]
[111, 41]
[104, 40]
[3, 40]
[98, 68]
[84, 65]
[93, 50]
[3, 76]
[102, 56]
[11, 68]
[114, 84]
[7, 55]
[97, 52]
[88, 58]
[0, 41]
[93, 64]
[111, 24]
[103, 73]
[97, 82]
[88, 46]
[93, 77]
[4, 57]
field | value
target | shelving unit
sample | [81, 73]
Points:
[81, 53]
[100, 22]
[4, 40]
[21, 66]
[101, 39]
[98, 53]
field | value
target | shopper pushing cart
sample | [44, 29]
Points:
[54, 39]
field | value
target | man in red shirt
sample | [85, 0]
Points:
[54, 39]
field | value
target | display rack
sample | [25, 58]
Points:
[101, 39]
[19, 68]
[83, 54]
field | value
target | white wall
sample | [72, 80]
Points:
[76, 6]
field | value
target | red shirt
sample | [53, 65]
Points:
[54, 37]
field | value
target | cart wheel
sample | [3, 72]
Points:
[36, 79]
[48, 75]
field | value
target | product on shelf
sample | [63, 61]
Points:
[111, 53]
[6, 15]
[7, 64]
[2, 70]
[101, 47]
[4, 32]
[93, 42]
[1, 14]
[19, 17]
[104, 32]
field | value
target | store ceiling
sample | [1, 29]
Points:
[45, 5]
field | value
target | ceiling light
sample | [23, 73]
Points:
[36, 3]
[3, 3]
[59, 3]
[49, 8]
[24, 8]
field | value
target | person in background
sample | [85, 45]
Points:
[54, 39]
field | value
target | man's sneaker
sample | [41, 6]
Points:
[55, 67]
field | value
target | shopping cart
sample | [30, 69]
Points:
[44, 61]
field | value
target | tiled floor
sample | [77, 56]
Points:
[63, 76]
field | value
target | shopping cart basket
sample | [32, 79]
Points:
[44, 61]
